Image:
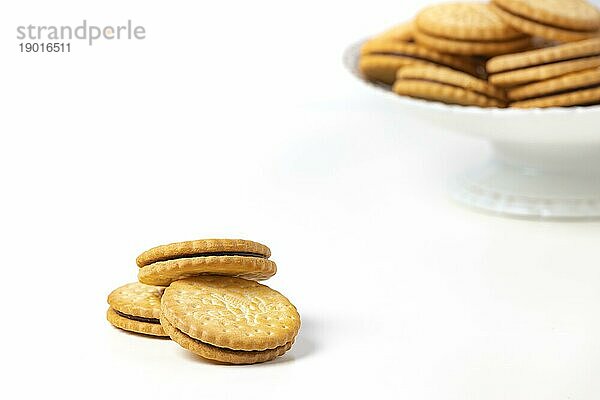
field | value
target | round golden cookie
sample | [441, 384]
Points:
[416, 53]
[132, 325]
[574, 98]
[136, 307]
[230, 313]
[436, 91]
[137, 299]
[534, 28]
[471, 47]
[383, 68]
[222, 354]
[452, 78]
[564, 52]
[194, 248]
[471, 21]
[380, 60]
[578, 15]
[569, 82]
[162, 273]
[543, 72]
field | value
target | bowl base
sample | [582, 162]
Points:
[536, 184]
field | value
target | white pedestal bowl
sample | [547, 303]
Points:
[545, 163]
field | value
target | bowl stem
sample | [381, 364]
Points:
[535, 181]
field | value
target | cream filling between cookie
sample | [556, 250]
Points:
[210, 254]
[139, 319]
[218, 347]
[225, 253]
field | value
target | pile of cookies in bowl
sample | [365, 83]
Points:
[503, 53]
[203, 295]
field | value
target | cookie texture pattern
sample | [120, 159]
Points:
[230, 313]
[567, 14]
[137, 299]
[548, 32]
[464, 21]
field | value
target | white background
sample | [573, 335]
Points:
[237, 119]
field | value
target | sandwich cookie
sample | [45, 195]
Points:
[467, 29]
[579, 88]
[135, 307]
[447, 86]
[162, 265]
[538, 65]
[587, 79]
[381, 59]
[230, 320]
[561, 20]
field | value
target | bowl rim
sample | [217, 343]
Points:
[352, 53]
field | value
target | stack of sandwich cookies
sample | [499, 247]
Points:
[537, 65]
[135, 307]
[381, 57]
[448, 86]
[579, 88]
[229, 257]
[564, 75]
[467, 29]
[560, 20]
[212, 305]
[229, 320]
